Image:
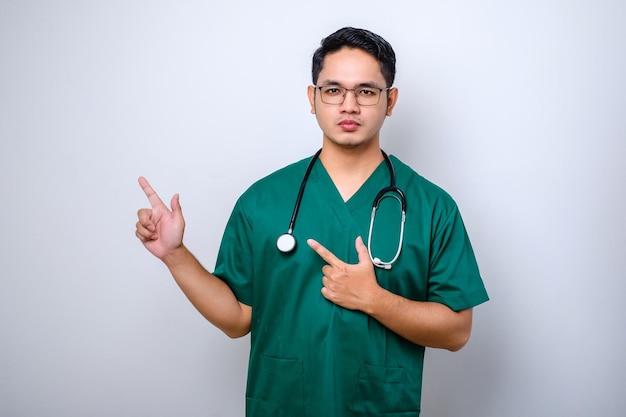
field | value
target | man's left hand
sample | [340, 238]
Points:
[352, 286]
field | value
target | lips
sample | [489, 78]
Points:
[349, 125]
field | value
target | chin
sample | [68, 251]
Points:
[350, 142]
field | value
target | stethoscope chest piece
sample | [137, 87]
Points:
[286, 243]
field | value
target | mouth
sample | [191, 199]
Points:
[349, 125]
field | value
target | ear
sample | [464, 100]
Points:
[311, 94]
[392, 98]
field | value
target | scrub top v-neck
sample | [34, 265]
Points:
[310, 357]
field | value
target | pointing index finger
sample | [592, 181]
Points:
[153, 197]
[324, 253]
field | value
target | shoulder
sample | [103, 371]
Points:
[413, 182]
[276, 185]
[290, 173]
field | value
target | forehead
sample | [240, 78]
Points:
[351, 66]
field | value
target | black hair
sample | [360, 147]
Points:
[362, 39]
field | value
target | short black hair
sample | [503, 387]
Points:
[363, 39]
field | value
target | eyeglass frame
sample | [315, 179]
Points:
[354, 90]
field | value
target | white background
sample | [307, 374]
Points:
[515, 108]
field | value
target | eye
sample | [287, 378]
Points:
[367, 92]
[331, 91]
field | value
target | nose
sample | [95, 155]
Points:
[349, 101]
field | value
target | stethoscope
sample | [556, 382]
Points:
[286, 242]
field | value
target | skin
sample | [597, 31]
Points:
[350, 153]
[161, 231]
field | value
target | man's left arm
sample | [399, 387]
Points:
[354, 286]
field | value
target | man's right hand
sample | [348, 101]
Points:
[161, 231]
[159, 228]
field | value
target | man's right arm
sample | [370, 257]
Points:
[161, 232]
[209, 294]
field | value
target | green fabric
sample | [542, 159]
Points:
[308, 356]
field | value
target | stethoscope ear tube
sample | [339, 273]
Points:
[393, 192]
[399, 195]
[390, 189]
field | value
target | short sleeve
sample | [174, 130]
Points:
[454, 278]
[234, 260]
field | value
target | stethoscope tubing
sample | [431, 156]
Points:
[305, 180]
[286, 242]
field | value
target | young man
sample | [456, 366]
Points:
[339, 322]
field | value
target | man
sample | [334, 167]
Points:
[339, 324]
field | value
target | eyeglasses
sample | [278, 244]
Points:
[365, 96]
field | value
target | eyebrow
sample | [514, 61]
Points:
[369, 84]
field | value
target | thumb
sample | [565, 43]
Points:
[175, 204]
[361, 250]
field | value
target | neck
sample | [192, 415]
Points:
[350, 167]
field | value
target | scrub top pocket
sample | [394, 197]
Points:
[278, 389]
[385, 391]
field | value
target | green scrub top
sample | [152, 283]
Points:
[310, 357]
